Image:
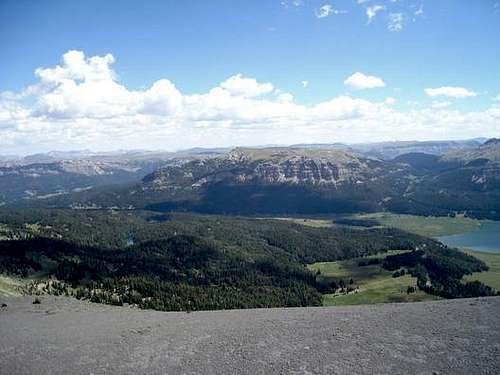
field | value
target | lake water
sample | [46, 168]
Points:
[486, 238]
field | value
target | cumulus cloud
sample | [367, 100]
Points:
[162, 98]
[390, 100]
[438, 104]
[285, 97]
[372, 11]
[75, 66]
[360, 81]
[249, 87]
[451, 92]
[80, 103]
[80, 87]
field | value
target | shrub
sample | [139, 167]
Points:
[411, 289]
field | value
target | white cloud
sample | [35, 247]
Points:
[294, 3]
[438, 104]
[419, 11]
[396, 21]
[360, 81]
[162, 98]
[75, 66]
[451, 92]
[240, 86]
[371, 12]
[81, 87]
[285, 97]
[390, 100]
[305, 83]
[497, 98]
[327, 10]
[324, 11]
[82, 104]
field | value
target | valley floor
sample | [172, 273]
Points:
[62, 336]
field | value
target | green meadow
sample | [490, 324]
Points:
[373, 283]
[490, 277]
[429, 226]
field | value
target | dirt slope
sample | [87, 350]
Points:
[65, 336]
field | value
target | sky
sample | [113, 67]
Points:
[107, 75]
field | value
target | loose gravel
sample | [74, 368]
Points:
[66, 336]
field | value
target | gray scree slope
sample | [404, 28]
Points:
[66, 336]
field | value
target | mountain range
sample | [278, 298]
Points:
[41, 176]
[272, 180]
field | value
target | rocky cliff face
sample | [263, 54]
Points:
[319, 180]
[271, 166]
[489, 150]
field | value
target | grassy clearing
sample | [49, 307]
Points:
[350, 268]
[442, 226]
[311, 222]
[375, 285]
[10, 286]
[15, 286]
[383, 290]
[490, 277]
[428, 226]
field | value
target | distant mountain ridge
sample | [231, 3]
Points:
[384, 150]
[390, 150]
[42, 176]
[299, 180]
[110, 156]
[489, 150]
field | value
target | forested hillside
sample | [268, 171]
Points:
[186, 261]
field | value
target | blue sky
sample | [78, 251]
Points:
[411, 45]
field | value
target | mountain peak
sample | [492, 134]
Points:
[492, 141]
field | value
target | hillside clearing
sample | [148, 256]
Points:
[490, 277]
[10, 286]
[372, 283]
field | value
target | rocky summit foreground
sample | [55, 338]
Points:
[66, 336]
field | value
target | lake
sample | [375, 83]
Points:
[486, 238]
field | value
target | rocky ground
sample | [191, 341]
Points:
[66, 336]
